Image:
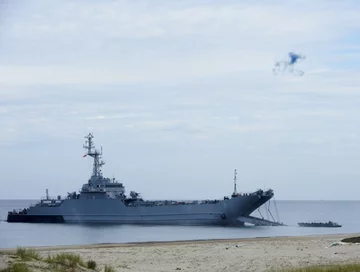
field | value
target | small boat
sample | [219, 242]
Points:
[329, 224]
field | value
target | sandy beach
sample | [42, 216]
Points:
[255, 254]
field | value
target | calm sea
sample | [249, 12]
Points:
[289, 212]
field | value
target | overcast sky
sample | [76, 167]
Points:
[179, 94]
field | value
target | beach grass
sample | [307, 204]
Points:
[66, 259]
[351, 240]
[109, 269]
[17, 267]
[91, 264]
[27, 254]
[29, 260]
[324, 268]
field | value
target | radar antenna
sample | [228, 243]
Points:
[96, 154]
[235, 192]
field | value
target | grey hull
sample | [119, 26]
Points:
[114, 211]
[104, 200]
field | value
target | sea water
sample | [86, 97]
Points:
[288, 212]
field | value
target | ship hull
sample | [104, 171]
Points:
[25, 218]
[103, 200]
[113, 211]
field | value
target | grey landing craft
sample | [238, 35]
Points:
[103, 200]
[315, 224]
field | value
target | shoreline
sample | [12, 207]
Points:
[338, 236]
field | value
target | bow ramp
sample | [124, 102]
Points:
[258, 221]
[262, 221]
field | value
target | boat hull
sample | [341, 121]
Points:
[318, 225]
[25, 218]
[113, 211]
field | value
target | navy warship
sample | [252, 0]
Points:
[103, 200]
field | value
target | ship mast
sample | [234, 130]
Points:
[96, 154]
[235, 192]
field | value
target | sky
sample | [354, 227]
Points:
[179, 94]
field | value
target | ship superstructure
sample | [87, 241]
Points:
[103, 200]
[98, 186]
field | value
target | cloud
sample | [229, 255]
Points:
[139, 19]
[184, 86]
[3, 110]
[116, 42]
[117, 116]
[251, 128]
